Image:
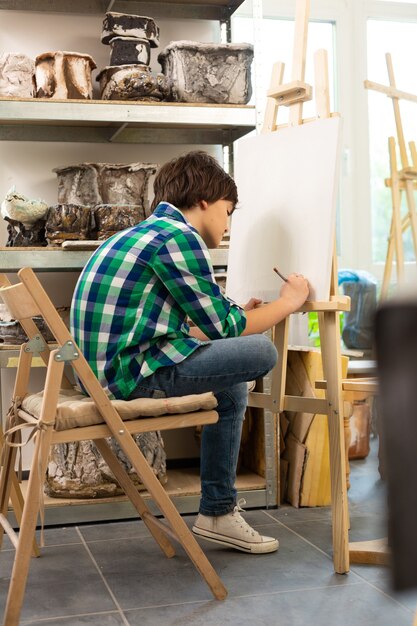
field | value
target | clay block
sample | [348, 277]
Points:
[12, 333]
[67, 221]
[17, 76]
[24, 235]
[111, 218]
[78, 184]
[129, 50]
[62, 75]
[77, 469]
[125, 25]
[132, 82]
[124, 183]
[205, 72]
[90, 184]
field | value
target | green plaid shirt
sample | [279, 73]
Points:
[131, 303]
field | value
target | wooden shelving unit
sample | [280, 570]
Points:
[98, 121]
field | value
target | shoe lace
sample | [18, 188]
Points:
[238, 519]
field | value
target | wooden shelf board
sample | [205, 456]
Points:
[191, 9]
[184, 482]
[183, 486]
[111, 121]
[47, 111]
[58, 260]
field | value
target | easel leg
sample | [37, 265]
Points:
[388, 264]
[330, 347]
[409, 190]
[279, 373]
[396, 212]
[397, 227]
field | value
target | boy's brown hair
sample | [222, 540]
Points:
[186, 180]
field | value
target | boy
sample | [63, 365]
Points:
[131, 315]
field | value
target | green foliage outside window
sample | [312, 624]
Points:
[313, 328]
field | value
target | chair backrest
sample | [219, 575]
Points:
[20, 303]
[27, 299]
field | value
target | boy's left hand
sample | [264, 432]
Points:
[252, 304]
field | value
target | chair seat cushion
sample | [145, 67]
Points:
[77, 410]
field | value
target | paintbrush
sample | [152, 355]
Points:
[276, 270]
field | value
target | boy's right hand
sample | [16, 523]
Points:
[295, 291]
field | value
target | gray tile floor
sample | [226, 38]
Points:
[113, 574]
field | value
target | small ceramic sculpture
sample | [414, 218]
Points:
[210, 73]
[130, 50]
[67, 222]
[22, 209]
[133, 82]
[64, 75]
[111, 218]
[125, 25]
[17, 76]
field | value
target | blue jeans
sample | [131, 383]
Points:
[223, 366]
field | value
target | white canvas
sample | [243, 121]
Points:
[287, 185]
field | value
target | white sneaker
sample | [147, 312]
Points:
[233, 531]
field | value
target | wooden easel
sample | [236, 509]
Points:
[405, 179]
[402, 179]
[294, 95]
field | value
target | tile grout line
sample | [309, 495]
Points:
[384, 593]
[351, 571]
[47, 620]
[303, 538]
[247, 595]
[113, 597]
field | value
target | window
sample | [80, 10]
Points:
[357, 34]
[277, 37]
[400, 39]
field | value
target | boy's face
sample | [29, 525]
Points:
[215, 221]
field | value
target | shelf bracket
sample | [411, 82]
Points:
[118, 131]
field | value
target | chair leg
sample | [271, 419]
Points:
[27, 531]
[7, 480]
[10, 484]
[178, 525]
[134, 496]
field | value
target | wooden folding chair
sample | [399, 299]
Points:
[59, 415]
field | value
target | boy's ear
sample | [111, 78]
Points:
[203, 204]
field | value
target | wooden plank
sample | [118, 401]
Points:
[300, 422]
[332, 369]
[302, 12]
[271, 110]
[291, 93]
[371, 552]
[396, 211]
[365, 385]
[392, 92]
[315, 486]
[184, 482]
[295, 453]
[253, 441]
[321, 80]
[397, 114]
